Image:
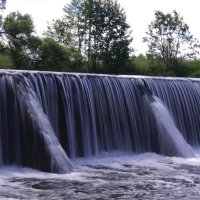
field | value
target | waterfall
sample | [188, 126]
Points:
[31, 110]
[47, 117]
[29, 102]
[170, 139]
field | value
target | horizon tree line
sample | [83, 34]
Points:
[94, 36]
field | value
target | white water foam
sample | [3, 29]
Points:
[144, 176]
[170, 139]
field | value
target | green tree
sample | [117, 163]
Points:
[56, 57]
[61, 32]
[18, 37]
[74, 18]
[98, 30]
[2, 6]
[67, 31]
[107, 35]
[168, 37]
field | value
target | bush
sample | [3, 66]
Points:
[5, 61]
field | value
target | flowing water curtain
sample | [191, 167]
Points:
[10, 143]
[182, 99]
[89, 115]
[28, 138]
[101, 113]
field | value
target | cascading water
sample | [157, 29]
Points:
[29, 102]
[170, 139]
[27, 106]
[79, 115]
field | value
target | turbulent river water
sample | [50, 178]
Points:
[113, 176]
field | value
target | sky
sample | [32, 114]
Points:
[139, 13]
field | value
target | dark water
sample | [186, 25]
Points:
[145, 176]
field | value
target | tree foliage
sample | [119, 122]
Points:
[2, 6]
[168, 37]
[107, 34]
[60, 31]
[98, 30]
[55, 57]
[17, 36]
[28, 51]
[75, 20]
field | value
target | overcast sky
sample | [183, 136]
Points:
[139, 14]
